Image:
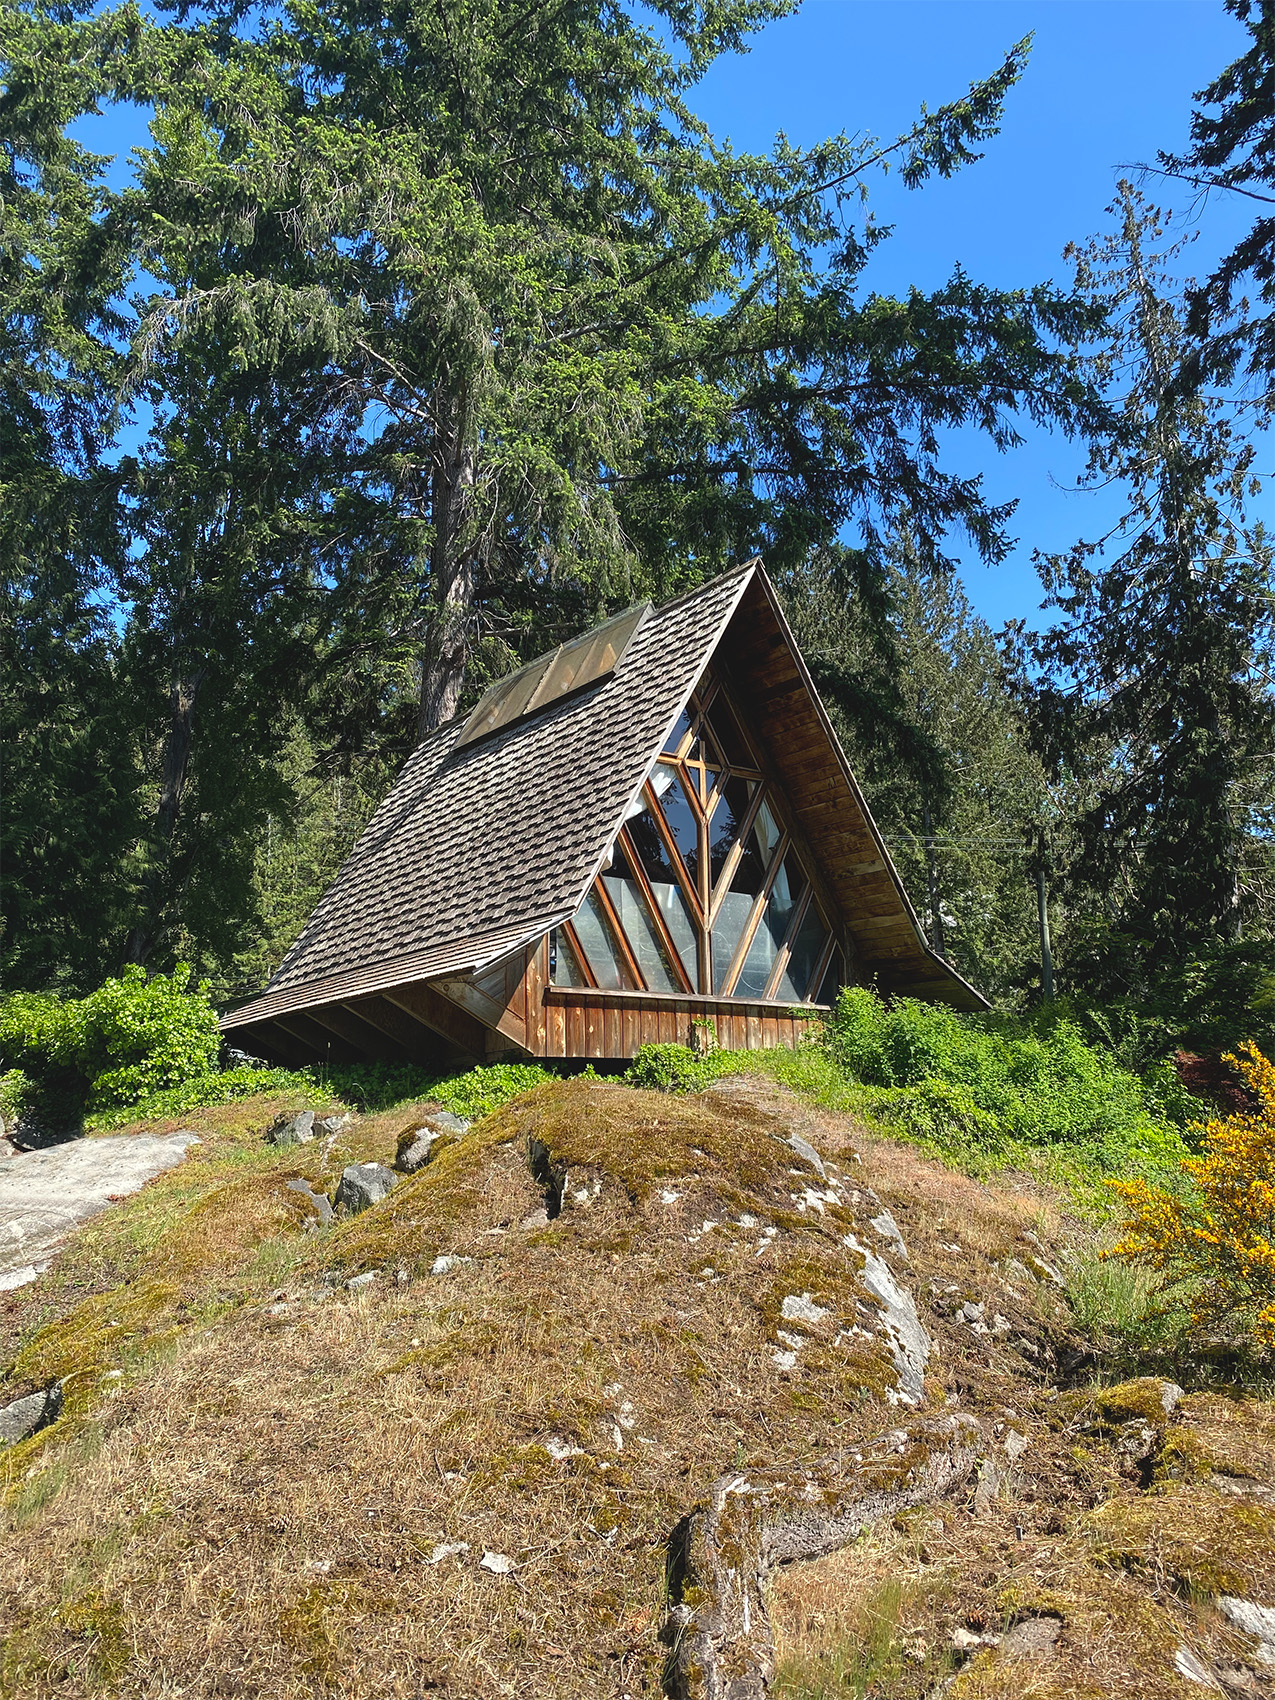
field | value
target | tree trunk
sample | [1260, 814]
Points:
[1046, 947]
[177, 747]
[454, 567]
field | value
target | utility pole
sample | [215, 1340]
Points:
[1046, 951]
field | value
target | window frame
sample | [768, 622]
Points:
[705, 895]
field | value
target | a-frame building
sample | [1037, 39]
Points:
[651, 828]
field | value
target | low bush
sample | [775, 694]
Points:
[1214, 1239]
[676, 1068]
[130, 1038]
[1004, 1079]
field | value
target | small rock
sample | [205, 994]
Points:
[498, 1563]
[360, 1283]
[327, 1127]
[807, 1152]
[445, 1264]
[448, 1549]
[964, 1640]
[784, 1360]
[292, 1130]
[1170, 1395]
[362, 1185]
[888, 1229]
[1193, 1667]
[800, 1307]
[1032, 1638]
[537, 1219]
[1253, 1619]
[970, 1313]
[29, 1415]
[1015, 1445]
[320, 1200]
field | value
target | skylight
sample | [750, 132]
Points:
[568, 668]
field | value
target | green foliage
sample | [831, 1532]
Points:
[916, 685]
[676, 1068]
[1151, 692]
[1040, 1087]
[206, 1091]
[366, 1087]
[136, 1035]
[129, 1038]
[15, 1094]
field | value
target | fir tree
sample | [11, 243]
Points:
[1156, 693]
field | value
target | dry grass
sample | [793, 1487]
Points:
[255, 1501]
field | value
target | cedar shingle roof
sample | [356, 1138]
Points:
[478, 849]
[508, 831]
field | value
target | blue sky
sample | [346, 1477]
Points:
[1110, 82]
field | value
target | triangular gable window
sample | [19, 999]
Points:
[706, 889]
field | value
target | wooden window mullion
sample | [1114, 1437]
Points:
[581, 954]
[754, 918]
[654, 911]
[621, 937]
[821, 967]
[736, 851]
[785, 949]
[674, 854]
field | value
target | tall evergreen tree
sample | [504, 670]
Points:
[1156, 691]
[465, 332]
[1232, 152]
[68, 807]
[918, 689]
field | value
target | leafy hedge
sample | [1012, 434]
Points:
[130, 1038]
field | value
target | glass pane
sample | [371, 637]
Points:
[648, 843]
[807, 947]
[759, 846]
[594, 932]
[640, 930]
[504, 701]
[674, 741]
[682, 820]
[727, 735]
[771, 932]
[732, 808]
[564, 964]
[589, 657]
[732, 917]
[833, 980]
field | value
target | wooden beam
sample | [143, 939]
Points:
[457, 1026]
[498, 1017]
[369, 1041]
[418, 1044]
[326, 1045]
[265, 1038]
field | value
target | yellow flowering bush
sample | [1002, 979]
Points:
[1218, 1238]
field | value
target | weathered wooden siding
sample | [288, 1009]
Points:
[593, 1024]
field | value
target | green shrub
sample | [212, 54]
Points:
[15, 1094]
[208, 1090]
[130, 1038]
[134, 1036]
[675, 1068]
[1040, 1087]
[481, 1091]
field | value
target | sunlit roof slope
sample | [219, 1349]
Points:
[483, 846]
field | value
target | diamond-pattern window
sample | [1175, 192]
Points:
[704, 889]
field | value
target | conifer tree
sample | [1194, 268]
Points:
[456, 330]
[917, 685]
[1156, 691]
